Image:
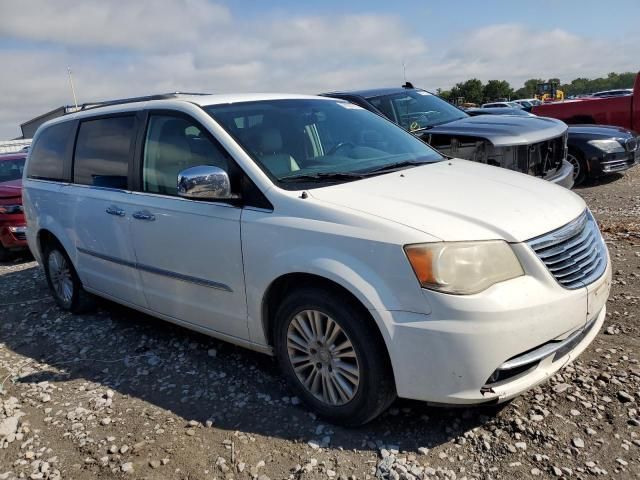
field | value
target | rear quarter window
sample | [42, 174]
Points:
[48, 153]
[103, 150]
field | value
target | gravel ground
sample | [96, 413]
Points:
[118, 394]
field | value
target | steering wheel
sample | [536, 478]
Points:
[339, 146]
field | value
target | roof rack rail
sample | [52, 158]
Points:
[160, 96]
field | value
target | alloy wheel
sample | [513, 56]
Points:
[60, 275]
[575, 163]
[323, 357]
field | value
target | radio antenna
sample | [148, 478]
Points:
[73, 90]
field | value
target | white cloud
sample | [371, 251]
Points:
[144, 25]
[135, 48]
[517, 53]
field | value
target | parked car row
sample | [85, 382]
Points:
[593, 150]
[313, 229]
[536, 146]
[613, 93]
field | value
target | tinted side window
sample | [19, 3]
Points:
[47, 156]
[103, 150]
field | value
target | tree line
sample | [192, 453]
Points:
[473, 90]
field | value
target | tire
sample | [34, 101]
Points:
[350, 399]
[4, 253]
[580, 172]
[63, 281]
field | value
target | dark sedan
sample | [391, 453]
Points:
[594, 150]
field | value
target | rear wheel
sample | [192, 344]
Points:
[331, 356]
[579, 167]
[63, 281]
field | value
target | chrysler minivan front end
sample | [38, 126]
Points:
[489, 346]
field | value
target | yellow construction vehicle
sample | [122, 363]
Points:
[549, 92]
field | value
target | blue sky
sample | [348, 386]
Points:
[118, 48]
[438, 19]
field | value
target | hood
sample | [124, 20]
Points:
[600, 131]
[11, 190]
[458, 200]
[503, 130]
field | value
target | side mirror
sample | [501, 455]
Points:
[205, 182]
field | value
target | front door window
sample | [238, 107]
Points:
[174, 144]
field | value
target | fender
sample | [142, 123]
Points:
[350, 272]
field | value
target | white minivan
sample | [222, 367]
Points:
[311, 229]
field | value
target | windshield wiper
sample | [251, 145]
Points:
[322, 176]
[397, 166]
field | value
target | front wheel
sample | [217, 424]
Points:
[579, 167]
[63, 281]
[332, 357]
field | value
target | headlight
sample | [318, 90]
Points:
[609, 145]
[463, 267]
[10, 209]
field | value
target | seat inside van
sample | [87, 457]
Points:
[174, 144]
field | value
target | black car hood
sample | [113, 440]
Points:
[502, 130]
[599, 131]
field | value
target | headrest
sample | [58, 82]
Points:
[173, 128]
[270, 141]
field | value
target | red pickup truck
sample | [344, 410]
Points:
[621, 111]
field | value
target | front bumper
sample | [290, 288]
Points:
[452, 355]
[13, 235]
[563, 176]
[607, 163]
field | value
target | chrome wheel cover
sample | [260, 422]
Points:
[575, 163]
[323, 357]
[60, 275]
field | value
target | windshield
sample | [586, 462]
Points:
[332, 140]
[11, 169]
[416, 109]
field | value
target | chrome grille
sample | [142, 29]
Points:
[574, 254]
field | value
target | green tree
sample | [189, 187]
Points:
[521, 93]
[470, 91]
[529, 89]
[495, 89]
[576, 87]
[474, 91]
[445, 94]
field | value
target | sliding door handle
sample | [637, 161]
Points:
[144, 215]
[113, 210]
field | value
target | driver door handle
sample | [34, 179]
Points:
[144, 215]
